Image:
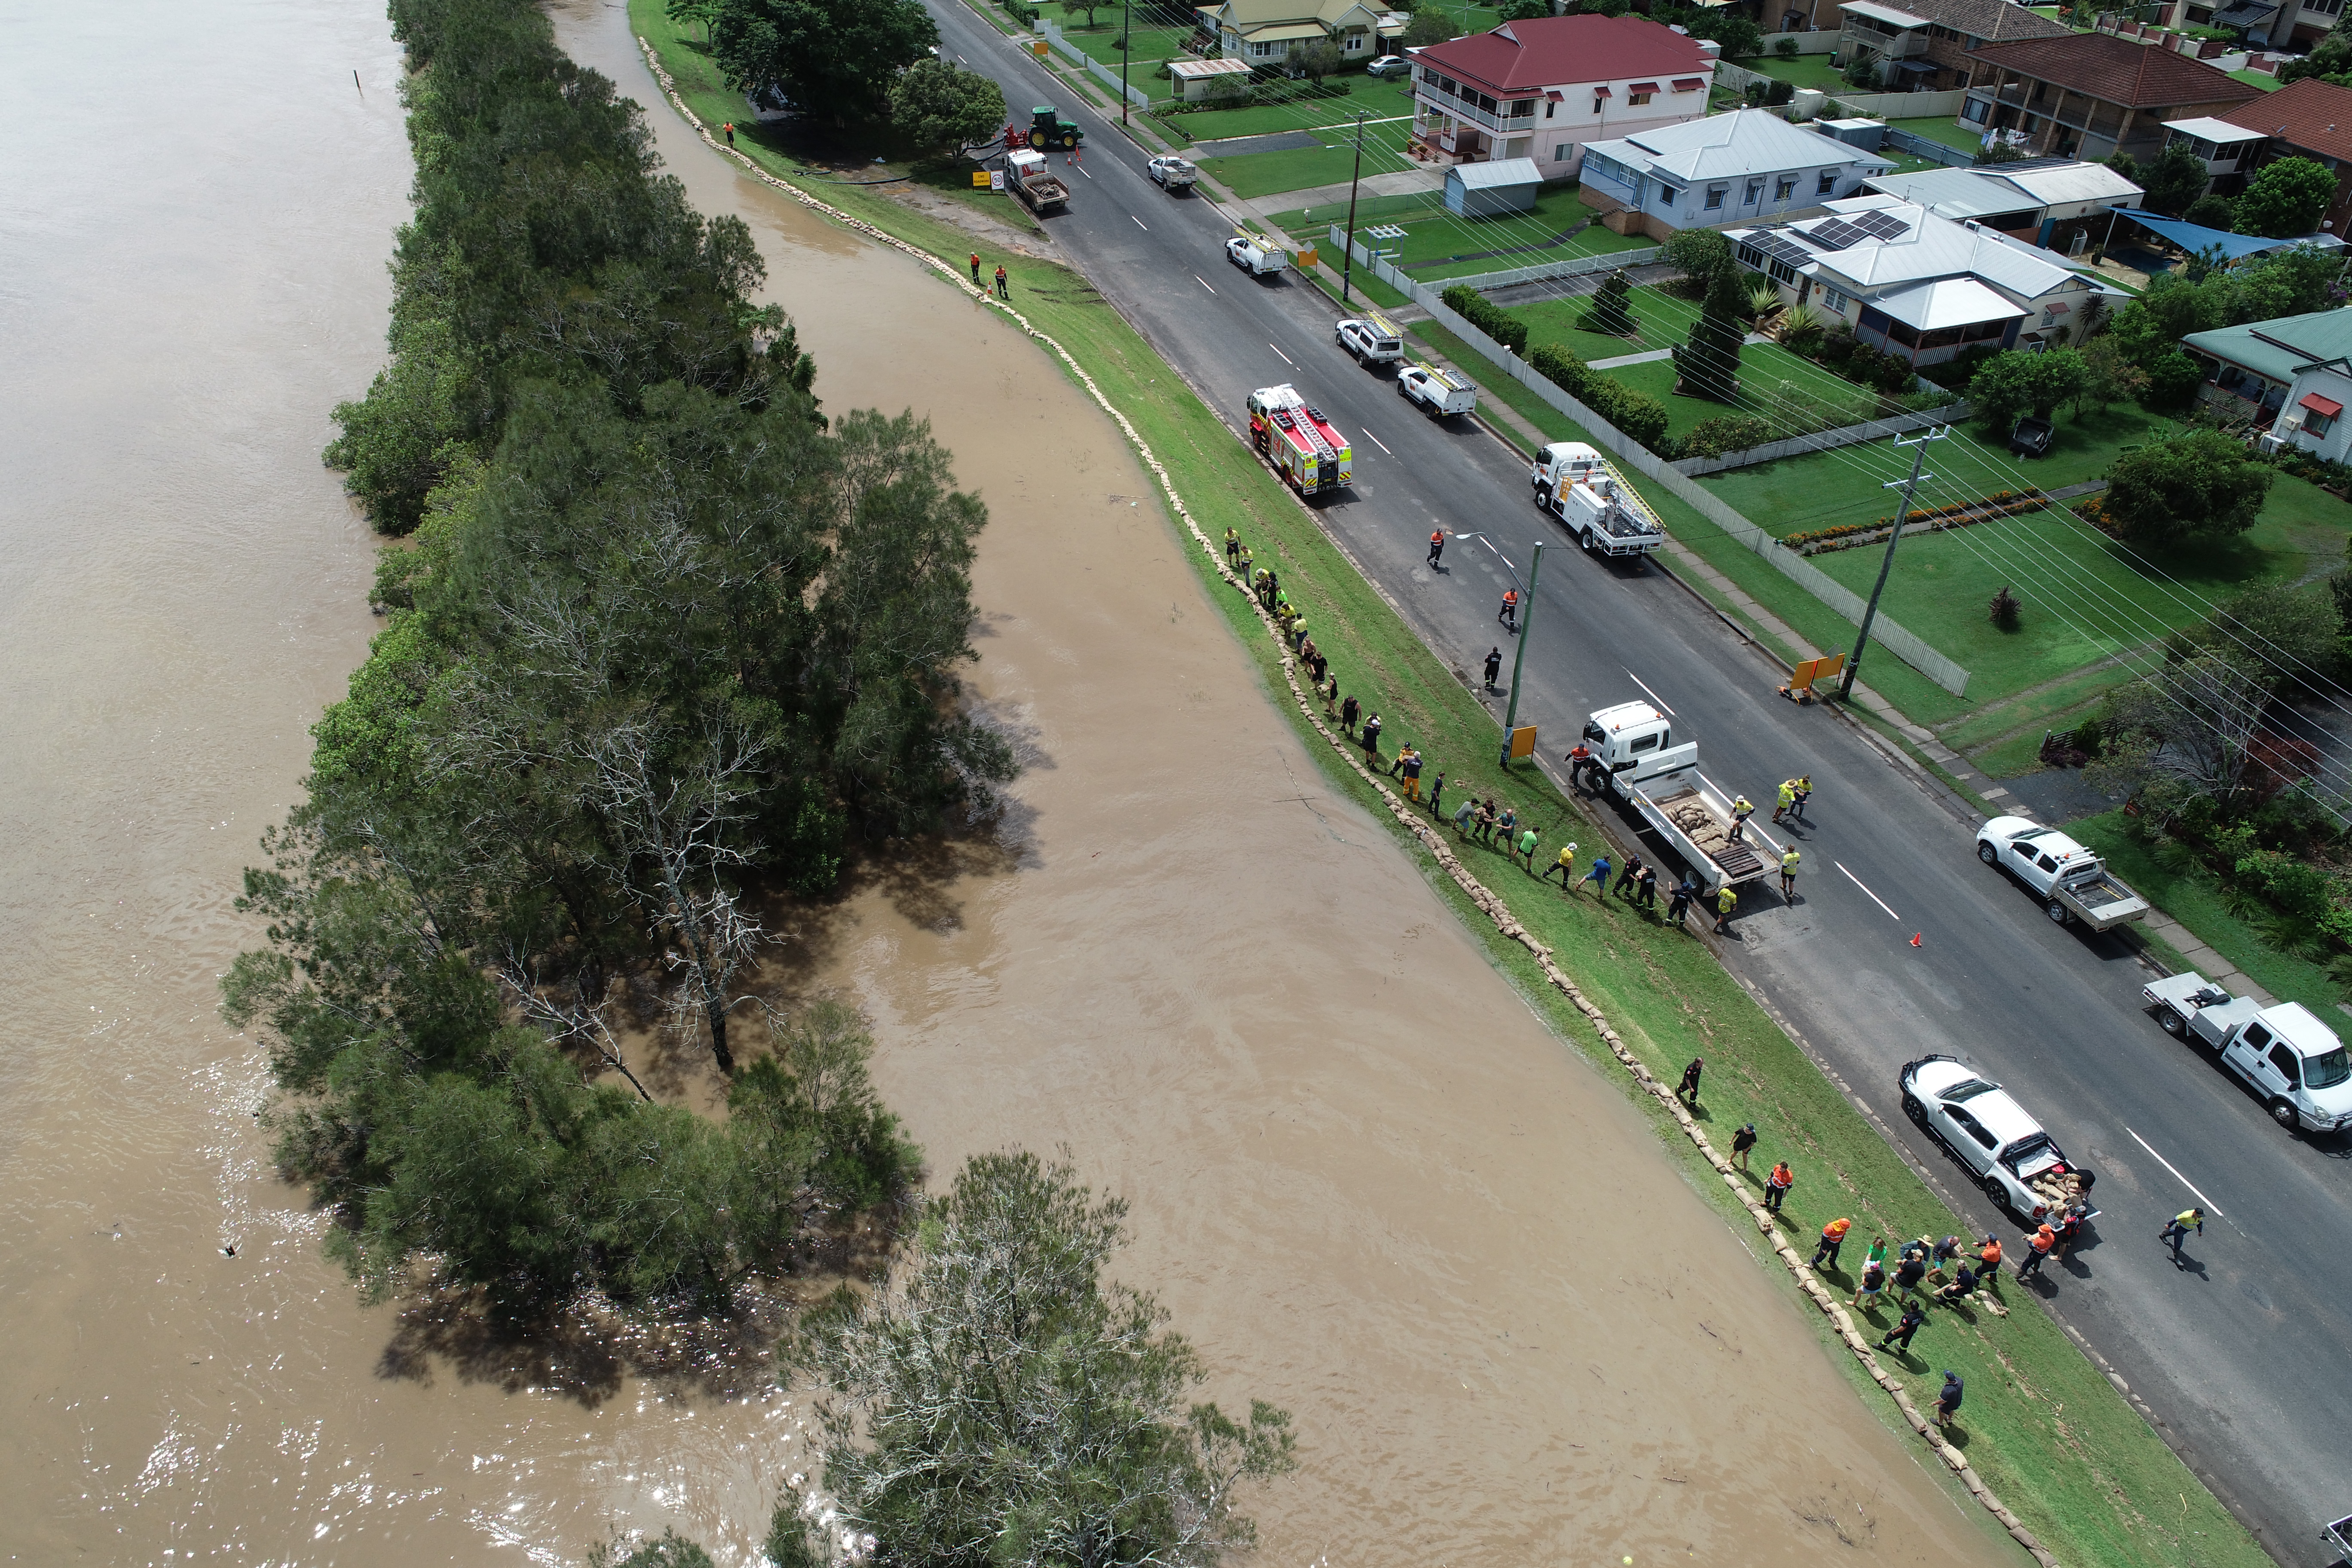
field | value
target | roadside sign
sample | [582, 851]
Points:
[1523, 742]
[983, 181]
[1038, 47]
[1813, 670]
[1309, 257]
[995, 179]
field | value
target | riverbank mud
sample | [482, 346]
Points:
[1370, 1185]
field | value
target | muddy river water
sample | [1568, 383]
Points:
[1365, 1180]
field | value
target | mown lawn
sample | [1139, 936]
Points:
[1437, 244]
[2043, 1427]
[1943, 128]
[1805, 71]
[1768, 374]
[1380, 98]
[1150, 47]
[1248, 174]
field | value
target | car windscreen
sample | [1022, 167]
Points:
[1966, 1090]
[2327, 1071]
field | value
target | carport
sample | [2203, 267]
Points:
[1493, 188]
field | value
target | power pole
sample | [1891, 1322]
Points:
[1519, 659]
[1919, 446]
[1348, 257]
[1126, 48]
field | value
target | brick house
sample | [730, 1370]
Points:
[2091, 95]
[1924, 45]
[1542, 89]
[2308, 119]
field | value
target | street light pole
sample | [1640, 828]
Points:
[1348, 257]
[1919, 446]
[1519, 659]
[1126, 48]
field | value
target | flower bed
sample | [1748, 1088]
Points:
[1846, 535]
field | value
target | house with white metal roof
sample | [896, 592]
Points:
[1728, 168]
[1264, 32]
[1919, 286]
[2049, 201]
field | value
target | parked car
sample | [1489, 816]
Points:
[2073, 883]
[1256, 256]
[1373, 338]
[770, 105]
[2019, 1166]
[1172, 174]
[1389, 65]
[2294, 1061]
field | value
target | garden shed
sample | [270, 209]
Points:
[1492, 188]
[1195, 79]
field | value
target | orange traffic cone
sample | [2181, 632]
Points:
[1914, 938]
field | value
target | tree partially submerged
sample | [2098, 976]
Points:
[1000, 1402]
[835, 57]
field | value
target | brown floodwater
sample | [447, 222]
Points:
[1368, 1182]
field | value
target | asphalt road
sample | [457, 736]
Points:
[2245, 1355]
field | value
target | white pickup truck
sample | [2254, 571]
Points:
[1600, 511]
[1255, 256]
[2019, 1166]
[2292, 1059]
[2073, 883]
[1439, 392]
[1635, 760]
[1373, 338]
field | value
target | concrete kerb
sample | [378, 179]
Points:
[1487, 901]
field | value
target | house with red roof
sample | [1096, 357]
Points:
[2308, 119]
[1541, 89]
[2092, 95]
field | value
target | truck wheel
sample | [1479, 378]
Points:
[1998, 1193]
[2172, 1023]
[1988, 854]
[1913, 1109]
[2056, 911]
[2284, 1115]
[1543, 497]
[1403, 390]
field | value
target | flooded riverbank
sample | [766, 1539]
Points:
[1369, 1183]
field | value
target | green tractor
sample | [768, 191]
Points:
[1049, 128]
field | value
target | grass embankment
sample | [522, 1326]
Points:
[2044, 1428]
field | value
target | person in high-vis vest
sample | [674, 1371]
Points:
[1776, 1185]
[2182, 1224]
[1509, 614]
[1787, 800]
[1726, 901]
[1789, 858]
[1825, 1251]
[1742, 808]
[1566, 867]
[1436, 546]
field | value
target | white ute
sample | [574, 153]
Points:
[1635, 760]
[2294, 1061]
[1439, 392]
[1600, 511]
[1255, 256]
[2019, 1166]
[2073, 883]
[1172, 174]
[1373, 338]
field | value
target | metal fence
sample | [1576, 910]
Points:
[1899, 640]
[1823, 440]
[1920, 146]
[1102, 73]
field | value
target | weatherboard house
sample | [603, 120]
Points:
[1728, 168]
[1264, 32]
[1541, 89]
[1922, 287]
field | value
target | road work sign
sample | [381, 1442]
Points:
[995, 179]
[1523, 742]
[983, 181]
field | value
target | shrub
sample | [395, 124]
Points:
[1725, 432]
[2003, 611]
[1611, 311]
[1779, 92]
[1488, 318]
[1786, 48]
[1637, 414]
[1561, 368]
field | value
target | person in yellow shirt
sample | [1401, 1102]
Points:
[1726, 901]
[1233, 535]
[1565, 866]
[1787, 799]
[1789, 874]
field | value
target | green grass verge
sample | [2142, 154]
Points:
[1437, 244]
[2042, 708]
[2045, 1429]
[2194, 898]
[1380, 98]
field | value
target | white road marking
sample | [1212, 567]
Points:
[1653, 696]
[1284, 357]
[1874, 896]
[1202, 282]
[1082, 169]
[1138, 223]
[1376, 441]
[2184, 1181]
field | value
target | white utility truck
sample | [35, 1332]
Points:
[1635, 760]
[1261, 257]
[1307, 450]
[2294, 1061]
[1373, 338]
[1600, 511]
[2073, 883]
[1172, 174]
[1439, 392]
[1026, 173]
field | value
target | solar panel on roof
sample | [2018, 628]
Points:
[1880, 225]
[1835, 235]
[1781, 248]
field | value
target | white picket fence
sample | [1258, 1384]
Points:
[1899, 640]
[1102, 73]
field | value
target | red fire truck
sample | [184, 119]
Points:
[1304, 447]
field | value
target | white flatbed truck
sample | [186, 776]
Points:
[1026, 173]
[1439, 392]
[2073, 883]
[1635, 761]
[2291, 1058]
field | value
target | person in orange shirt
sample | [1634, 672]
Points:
[1989, 1258]
[1776, 1185]
[1833, 1237]
[2037, 1251]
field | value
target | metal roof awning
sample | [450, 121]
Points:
[1886, 13]
[1689, 83]
[1285, 32]
[1642, 87]
[1554, 94]
[2245, 14]
[2220, 132]
[2319, 404]
[1603, 92]
[1948, 302]
[1496, 171]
